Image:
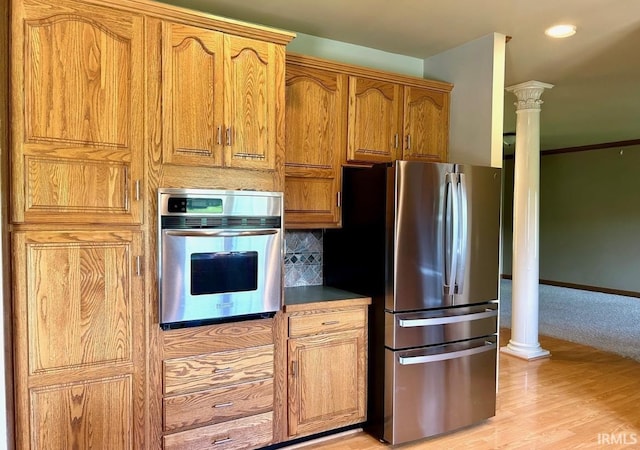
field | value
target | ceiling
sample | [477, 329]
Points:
[596, 73]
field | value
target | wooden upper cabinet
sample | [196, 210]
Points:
[192, 74]
[219, 96]
[375, 109]
[315, 142]
[77, 113]
[426, 125]
[254, 78]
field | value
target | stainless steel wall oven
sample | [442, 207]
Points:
[219, 255]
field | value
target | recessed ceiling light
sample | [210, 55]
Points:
[561, 31]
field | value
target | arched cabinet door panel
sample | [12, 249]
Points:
[426, 125]
[375, 111]
[192, 99]
[314, 146]
[252, 70]
[77, 130]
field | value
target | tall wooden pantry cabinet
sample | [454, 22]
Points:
[109, 100]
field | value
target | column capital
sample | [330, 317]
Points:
[528, 94]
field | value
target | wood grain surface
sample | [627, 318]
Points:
[579, 398]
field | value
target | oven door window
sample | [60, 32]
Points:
[221, 272]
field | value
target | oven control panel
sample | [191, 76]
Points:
[194, 205]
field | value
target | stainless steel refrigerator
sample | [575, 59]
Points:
[422, 239]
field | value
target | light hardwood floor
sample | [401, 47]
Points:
[579, 398]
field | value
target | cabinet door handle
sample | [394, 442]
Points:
[223, 405]
[396, 141]
[221, 441]
[339, 199]
[408, 142]
[228, 132]
[137, 186]
[138, 265]
[294, 368]
[331, 322]
[219, 136]
[223, 370]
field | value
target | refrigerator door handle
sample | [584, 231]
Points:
[453, 213]
[464, 233]
[410, 323]
[408, 360]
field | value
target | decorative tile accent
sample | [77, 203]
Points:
[303, 258]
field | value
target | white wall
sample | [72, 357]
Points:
[355, 54]
[476, 70]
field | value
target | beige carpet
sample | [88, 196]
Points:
[604, 321]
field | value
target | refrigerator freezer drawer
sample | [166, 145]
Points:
[410, 330]
[438, 389]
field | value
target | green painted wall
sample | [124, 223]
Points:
[589, 218]
[355, 54]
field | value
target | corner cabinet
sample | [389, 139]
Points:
[327, 366]
[315, 141]
[219, 98]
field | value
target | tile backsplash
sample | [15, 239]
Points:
[303, 258]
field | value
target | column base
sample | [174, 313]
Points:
[524, 351]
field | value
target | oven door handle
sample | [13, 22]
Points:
[220, 233]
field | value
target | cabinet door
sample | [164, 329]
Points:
[327, 377]
[375, 109]
[315, 142]
[77, 112]
[426, 125]
[192, 107]
[254, 80]
[79, 351]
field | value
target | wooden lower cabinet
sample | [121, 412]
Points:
[77, 342]
[217, 405]
[327, 370]
[248, 432]
[218, 384]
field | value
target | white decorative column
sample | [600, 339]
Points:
[526, 260]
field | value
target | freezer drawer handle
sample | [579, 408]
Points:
[408, 360]
[409, 323]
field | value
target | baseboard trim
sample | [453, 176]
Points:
[583, 287]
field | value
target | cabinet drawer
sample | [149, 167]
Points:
[325, 322]
[212, 370]
[248, 432]
[217, 405]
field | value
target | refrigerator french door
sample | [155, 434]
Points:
[422, 239]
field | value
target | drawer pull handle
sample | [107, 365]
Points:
[223, 370]
[222, 441]
[222, 405]
[331, 322]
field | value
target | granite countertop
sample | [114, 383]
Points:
[313, 294]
